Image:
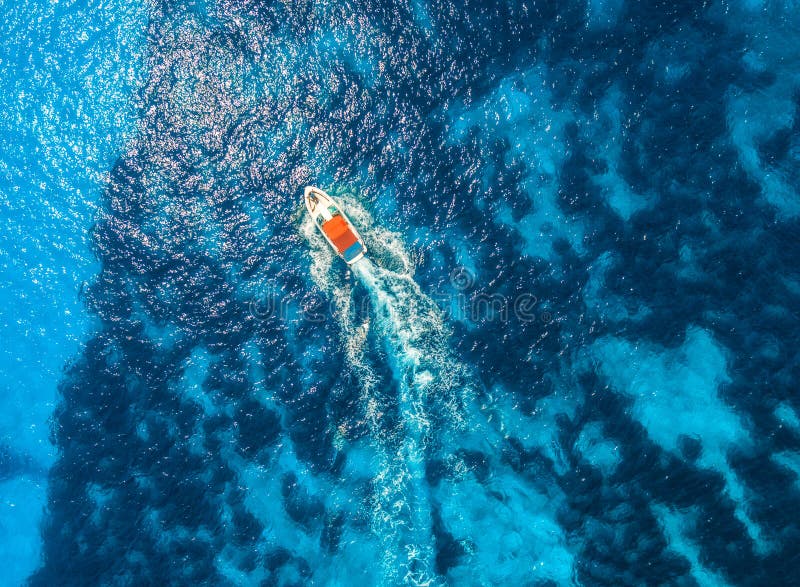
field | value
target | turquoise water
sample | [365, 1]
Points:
[68, 73]
[570, 356]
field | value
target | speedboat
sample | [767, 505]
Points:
[334, 225]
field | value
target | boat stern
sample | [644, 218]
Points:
[354, 252]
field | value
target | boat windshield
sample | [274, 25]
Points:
[333, 211]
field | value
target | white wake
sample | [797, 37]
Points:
[429, 385]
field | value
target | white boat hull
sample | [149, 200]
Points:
[334, 225]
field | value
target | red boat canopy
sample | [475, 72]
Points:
[339, 232]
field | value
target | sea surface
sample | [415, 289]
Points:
[571, 356]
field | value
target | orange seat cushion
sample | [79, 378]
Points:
[335, 227]
[339, 232]
[344, 241]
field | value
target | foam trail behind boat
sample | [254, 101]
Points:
[412, 331]
[409, 323]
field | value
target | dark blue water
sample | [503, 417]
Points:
[571, 356]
